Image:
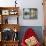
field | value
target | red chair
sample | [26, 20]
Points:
[29, 33]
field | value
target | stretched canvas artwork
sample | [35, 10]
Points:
[30, 13]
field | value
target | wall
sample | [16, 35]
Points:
[27, 4]
[32, 4]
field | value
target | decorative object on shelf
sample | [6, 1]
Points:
[6, 21]
[15, 37]
[5, 12]
[7, 34]
[0, 12]
[13, 12]
[30, 13]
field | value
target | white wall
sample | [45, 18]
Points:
[32, 4]
[27, 4]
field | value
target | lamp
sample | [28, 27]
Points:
[15, 3]
[15, 30]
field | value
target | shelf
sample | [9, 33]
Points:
[5, 8]
[11, 41]
[9, 10]
[8, 15]
[10, 26]
[6, 12]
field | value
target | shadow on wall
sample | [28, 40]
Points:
[37, 29]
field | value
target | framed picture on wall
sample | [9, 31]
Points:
[30, 13]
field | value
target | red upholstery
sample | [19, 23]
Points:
[29, 33]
